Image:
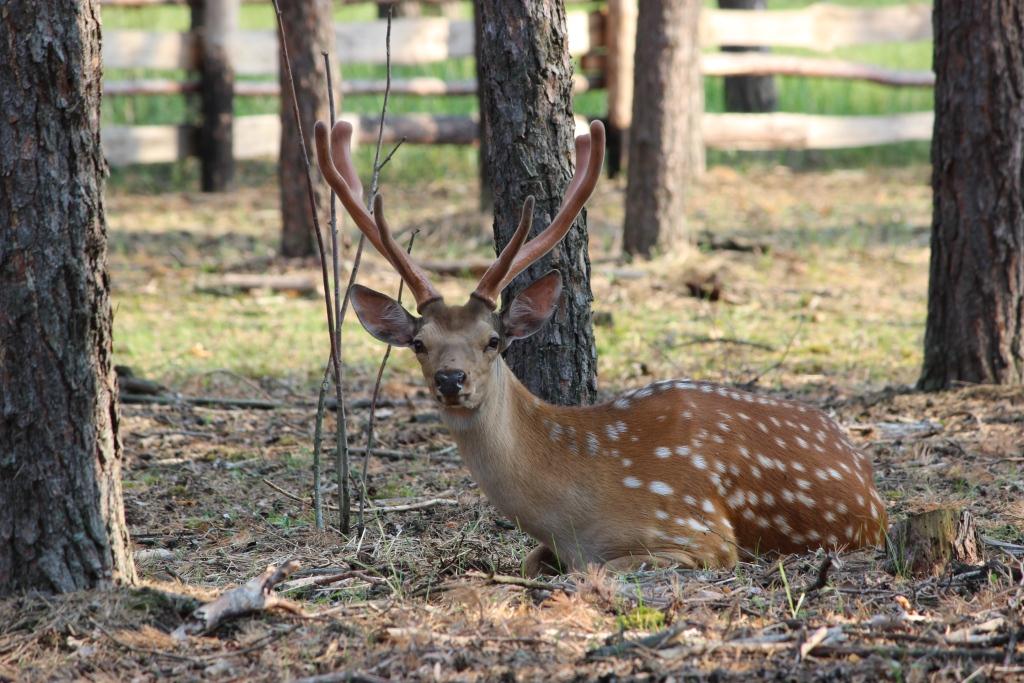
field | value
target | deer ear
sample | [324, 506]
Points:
[532, 307]
[383, 317]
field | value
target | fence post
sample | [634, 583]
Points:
[217, 24]
[620, 41]
[755, 94]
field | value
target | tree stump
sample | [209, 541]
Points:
[926, 543]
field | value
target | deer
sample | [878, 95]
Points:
[681, 472]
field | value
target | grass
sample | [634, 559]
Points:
[833, 238]
[807, 95]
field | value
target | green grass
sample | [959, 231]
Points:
[807, 95]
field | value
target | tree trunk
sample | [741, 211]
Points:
[975, 327]
[309, 30]
[215, 21]
[62, 522]
[754, 94]
[483, 132]
[527, 96]
[620, 39]
[666, 149]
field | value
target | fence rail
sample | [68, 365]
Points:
[600, 39]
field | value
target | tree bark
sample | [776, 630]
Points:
[527, 97]
[215, 22]
[666, 148]
[484, 169]
[975, 327]
[754, 94]
[62, 524]
[620, 39]
[309, 30]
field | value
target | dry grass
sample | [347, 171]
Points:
[413, 597]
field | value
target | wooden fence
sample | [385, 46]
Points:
[602, 40]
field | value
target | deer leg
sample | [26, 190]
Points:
[540, 561]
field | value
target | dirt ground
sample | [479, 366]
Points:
[827, 309]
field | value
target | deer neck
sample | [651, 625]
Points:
[504, 447]
[494, 431]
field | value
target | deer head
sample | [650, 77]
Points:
[457, 346]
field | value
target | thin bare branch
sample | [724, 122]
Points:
[373, 403]
[335, 358]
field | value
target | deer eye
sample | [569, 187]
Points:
[418, 346]
[493, 343]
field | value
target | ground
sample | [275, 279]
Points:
[828, 308]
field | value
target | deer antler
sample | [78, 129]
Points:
[516, 257]
[335, 159]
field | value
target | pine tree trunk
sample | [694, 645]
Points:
[666, 147]
[975, 328]
[527, 95]
[309, 29]
[62, 524]
[752, 94]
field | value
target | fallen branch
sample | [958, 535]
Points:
[727, 340]
[244, 403]
[522, 582]
[231, 283]
[255, 595]
[404, 507]
[217, 401]
[403, 455]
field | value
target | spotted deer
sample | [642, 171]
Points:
[678, 472]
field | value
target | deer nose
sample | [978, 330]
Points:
[449, 382]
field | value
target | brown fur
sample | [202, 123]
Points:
[679, 472]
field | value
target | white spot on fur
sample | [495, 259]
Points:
[697, 526]
[632, 483]
[782, 524]
[660, 488]
[662, 452]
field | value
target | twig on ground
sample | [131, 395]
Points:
[141, 650]
[522, 582]
[727, 340]
[255, 595]
[343, 677]
[403, 507]
[335, 358]
[217, 401]
[391, 454]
